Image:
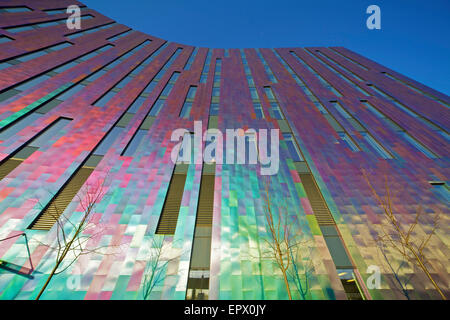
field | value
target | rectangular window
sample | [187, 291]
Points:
[187, 106]
[191, 59]
[39, 25]
[169, 215]
[417, 145]
[4, 39]
[292, 147]
[266, 67]
[33, 55]
[214, 109]
[136, 104]
[91, 30]
[346, 138]
[350, 60]
[416, 90]
[159, 103]
[358, 127]
[376, 146]
[275, 109]
[120, 35]
[15, 9]
[325, 83]
[353, 85]
[205, 70]
[198, 279]
[340, 67]
[251, 84]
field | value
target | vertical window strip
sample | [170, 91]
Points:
[251, 84]
[67, 90]
[33, 55]
[292, 147]
[15, 9]
[416, 89]
[4, 39]
[120, 35]
[343, 69]
[169, 214]
[274, 105]
[333, 122]
[297, 78]
[161, 73]
[38, 25]
[159, 103]
[346, 138]
[58, 204]
[343, 134]
[269, 72]
[147, 122]
[349, 59]
[324, 82]
[101, 102]
[191, 59]
[401, 131]
[353, 85]
[205, 70]
[382, 152]
[375, 145]
[55, 11]
[407, 110]
[38, 80]
[147, 61]
[91, 30]
[48, 135]
[188, 101]
[215, 95]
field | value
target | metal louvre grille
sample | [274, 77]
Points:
[318, 204]
[206, 201]
[169, 215]
[59, 203]
[8, 166]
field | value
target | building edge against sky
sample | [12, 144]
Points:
[97, 106]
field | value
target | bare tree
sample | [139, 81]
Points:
[301, 270]
[401, 237]
[72, 238]
[156, 265]
[286, 247]
[401, 282]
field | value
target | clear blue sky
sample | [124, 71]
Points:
[414, 39]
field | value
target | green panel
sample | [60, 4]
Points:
[340, 257]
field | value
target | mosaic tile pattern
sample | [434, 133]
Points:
[136, 186]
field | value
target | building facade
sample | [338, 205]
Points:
[91, 111]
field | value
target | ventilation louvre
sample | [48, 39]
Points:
[8, 166]
[169, 215]
[206, 201]
[58, 204]
[318, 205]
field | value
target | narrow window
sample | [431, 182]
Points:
[47, 136]
[169, 215]
[187, 105]
[324, 82]
[269, 72]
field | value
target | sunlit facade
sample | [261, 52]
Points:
[97, 107]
